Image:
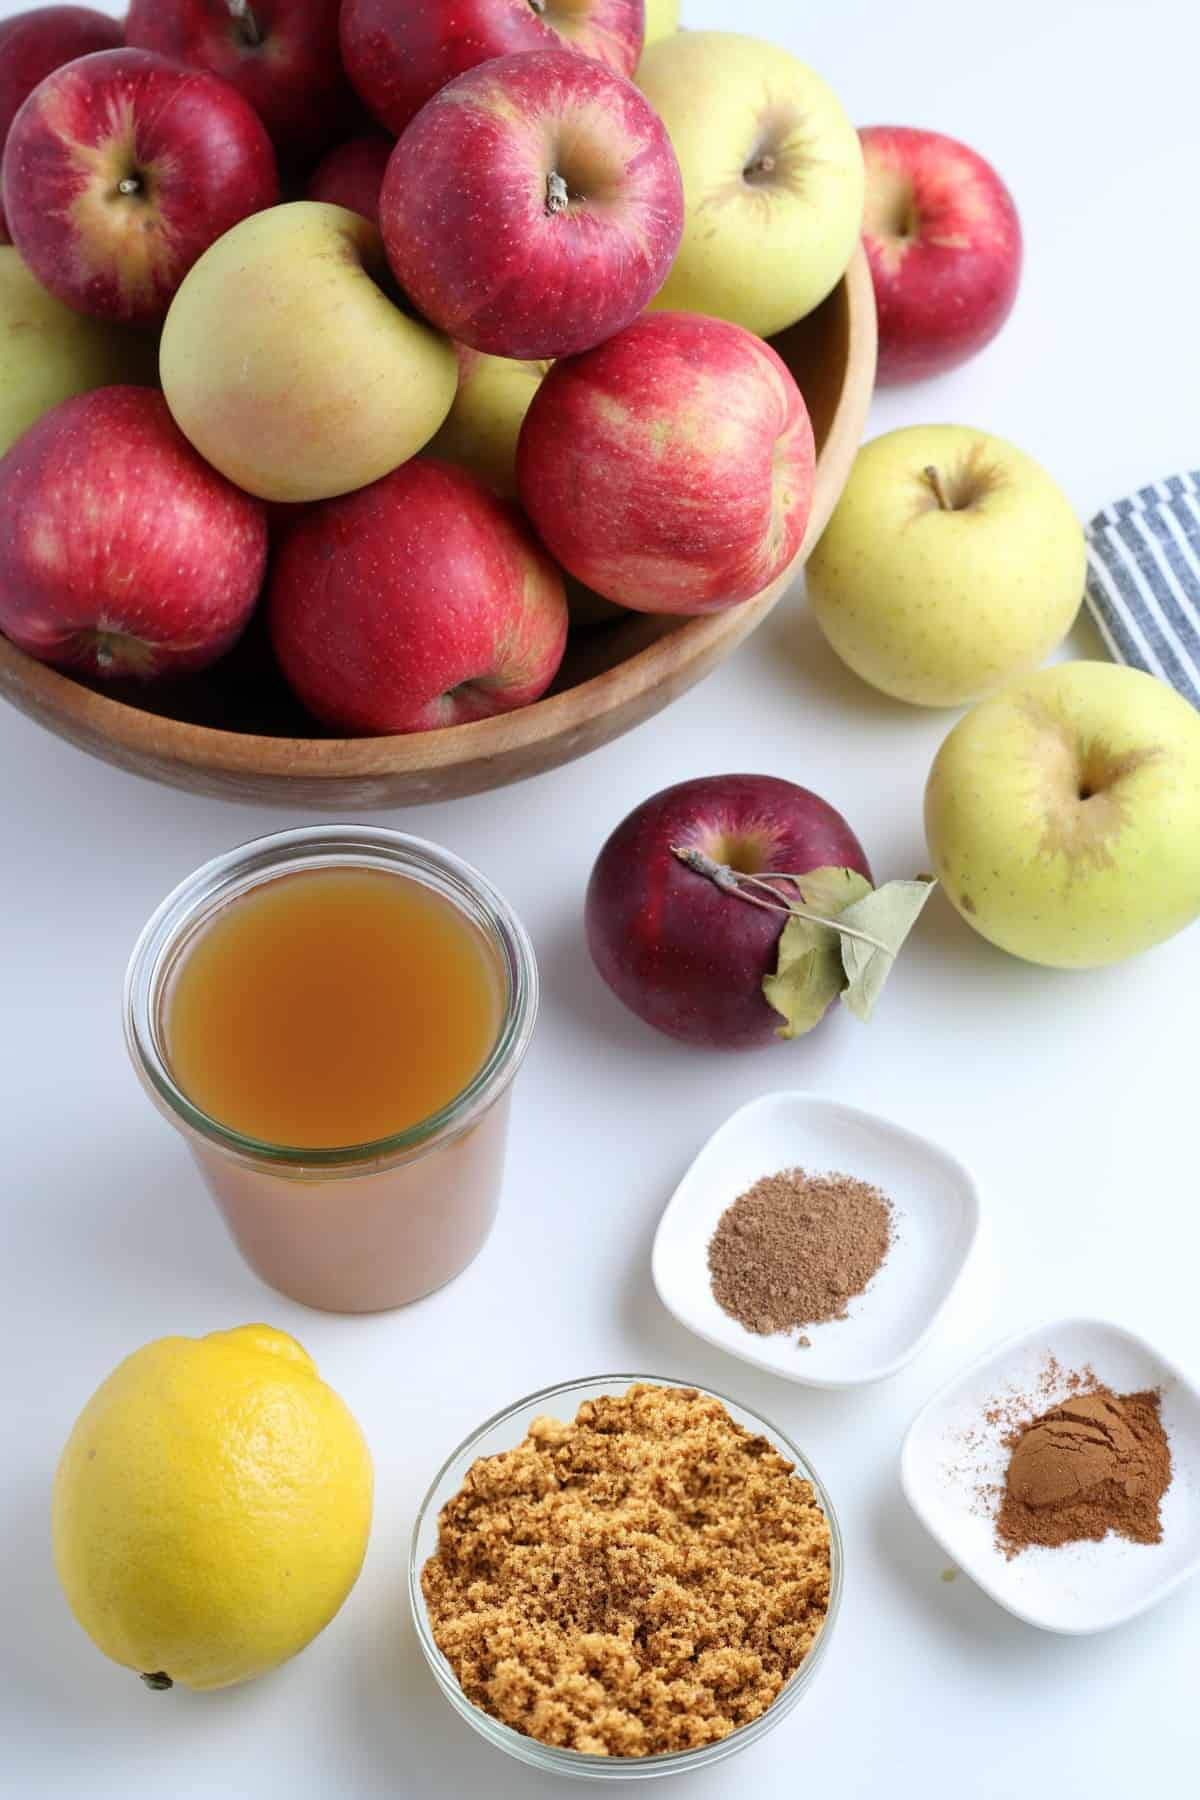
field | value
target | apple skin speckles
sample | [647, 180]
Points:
[671, 468]
[121, 552]
[418, 602]
[398, 56]
[466, 212]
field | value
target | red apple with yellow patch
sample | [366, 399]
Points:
[119, 172]
[534, 206]
[943, 240]
[35, 43]
[671, 468]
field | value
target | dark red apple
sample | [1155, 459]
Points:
[352, 175]
[682, 954]
[420, 601]
[33, 44]
[281, 55]
[671, 468]
[398, 53]
[121, 169]
[122, 553]
[943, 240]
[534, 206]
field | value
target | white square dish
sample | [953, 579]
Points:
[954, 1456]
[936, 1222]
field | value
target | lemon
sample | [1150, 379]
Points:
[211, 1508]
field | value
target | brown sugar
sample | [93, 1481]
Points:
[643, 1579]
[795, 1248]
[1097, 1462]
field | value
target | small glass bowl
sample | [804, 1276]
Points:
[503, 1432]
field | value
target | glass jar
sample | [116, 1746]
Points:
[502, 1432]
[368, 1226]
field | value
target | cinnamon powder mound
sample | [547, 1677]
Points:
[794, 1248]
[644, 1578]
[1097, 1462]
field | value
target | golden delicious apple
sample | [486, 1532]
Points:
[662, 18]
[773, 178]
[288, 366]
[952, 563]
[49, 353]
[484, 423]
[1063, 815]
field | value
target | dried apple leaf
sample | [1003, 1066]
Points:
[887, 913]
[810, 972]
[830, 891]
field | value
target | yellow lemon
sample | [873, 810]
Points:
[211, 1508]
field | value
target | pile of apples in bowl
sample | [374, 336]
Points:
[402, 396]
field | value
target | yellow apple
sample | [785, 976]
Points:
[952, 563]
[48, 352]
[773, 178]
[287, 365]
[662, 18]
[1063, 815]
[484, 423]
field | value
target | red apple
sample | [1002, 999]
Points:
[534, 206]
[121, 552]
[121, 169]
[671, 468]
[420, 601]
[398, 53]
[352, 175]
[682, 954]
[944, 243]
[33, 44]
[281, 55]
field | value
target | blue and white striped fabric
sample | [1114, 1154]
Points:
[1144, 580]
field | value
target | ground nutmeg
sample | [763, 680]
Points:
[794, 1248]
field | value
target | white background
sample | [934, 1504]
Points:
[1072, 1096]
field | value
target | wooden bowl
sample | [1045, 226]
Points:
[236, 733]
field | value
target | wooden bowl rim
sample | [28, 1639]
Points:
[298, 758]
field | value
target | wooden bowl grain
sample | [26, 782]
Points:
[236, 734]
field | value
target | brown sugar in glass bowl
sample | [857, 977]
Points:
[504, 1432]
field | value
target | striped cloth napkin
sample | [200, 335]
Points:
[1144, 580]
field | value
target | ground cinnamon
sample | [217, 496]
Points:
[1097, 1462]
[795, 1248]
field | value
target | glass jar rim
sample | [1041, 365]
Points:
[248, 865]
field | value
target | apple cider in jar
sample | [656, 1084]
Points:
[338, 1006]
[334, 1018]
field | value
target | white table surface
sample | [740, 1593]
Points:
[1072, 1096]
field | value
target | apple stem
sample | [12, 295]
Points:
[762, 165]
[934, 478]
[159, 1681]
[557, 197]
[539, 6]
[130, 185]
[735, 881]
[239, 10]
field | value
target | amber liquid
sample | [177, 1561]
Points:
[331, 1008]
